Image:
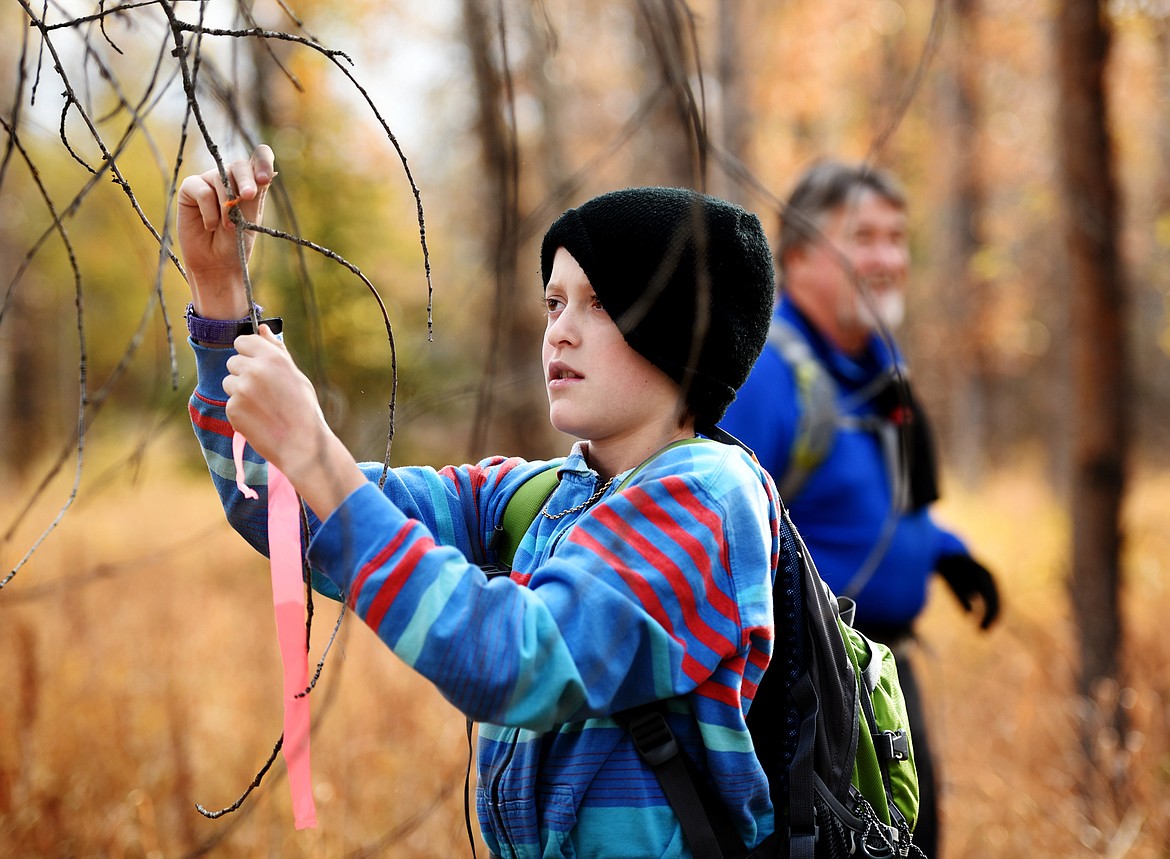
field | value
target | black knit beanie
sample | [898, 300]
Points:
[686, 277]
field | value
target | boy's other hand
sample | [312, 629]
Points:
[274, 406]
[271, 402]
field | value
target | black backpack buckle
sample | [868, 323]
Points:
[892, 745]
[653, 738]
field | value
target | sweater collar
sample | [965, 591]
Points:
[853, 371]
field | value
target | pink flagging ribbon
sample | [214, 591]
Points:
[288, 599]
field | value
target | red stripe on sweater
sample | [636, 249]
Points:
[209, 401]
[645, 595]
[757, 657]
[477, 475]
[210, 424]
[392, 585]
[505, 466]
[682, 495]
[736, 664]
[376, 562]
[684, 594]
[748, 690]
[718, 692]
[451, 474]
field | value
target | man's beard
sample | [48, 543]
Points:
[882, 309]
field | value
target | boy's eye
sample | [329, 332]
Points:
[554, 304]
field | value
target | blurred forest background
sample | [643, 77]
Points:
[425, 146]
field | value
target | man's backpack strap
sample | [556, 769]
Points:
[705, 821]
[819, 412]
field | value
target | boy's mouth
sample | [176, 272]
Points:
[559, 371]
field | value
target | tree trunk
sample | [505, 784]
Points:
[1100, 382]
[30, 368]
[735, 124]
[967, 307]
[27, 371]
[512, 339]
[678, 138]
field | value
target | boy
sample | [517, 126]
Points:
[658, 303]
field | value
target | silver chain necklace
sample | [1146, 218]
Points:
[592, 498]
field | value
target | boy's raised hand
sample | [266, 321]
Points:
[207, 236]
[270, 401]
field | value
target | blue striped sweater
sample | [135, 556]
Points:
[661, 590]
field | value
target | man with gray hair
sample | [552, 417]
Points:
[829, 413]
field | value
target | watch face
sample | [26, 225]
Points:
[275, 324]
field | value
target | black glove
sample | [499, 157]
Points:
[968, 578]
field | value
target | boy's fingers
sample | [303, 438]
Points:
[263, 164]
[252, 345]
[242, 178]
[248, 344]
[253, 175]
[250, 180]
[201, 193]
[267, 334]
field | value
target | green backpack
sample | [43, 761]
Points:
[828, 720]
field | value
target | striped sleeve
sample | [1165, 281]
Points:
[456, 506]
[214, 432]
[691, 545]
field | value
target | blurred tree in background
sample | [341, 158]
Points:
[509, 112]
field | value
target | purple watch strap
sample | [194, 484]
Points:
[223, 332]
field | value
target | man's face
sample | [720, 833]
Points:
[855, 275]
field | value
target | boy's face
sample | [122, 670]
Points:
[599, 388]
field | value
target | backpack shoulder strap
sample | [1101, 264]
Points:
[520, 511]
[818, 397]
[524, 506]
[705, 821]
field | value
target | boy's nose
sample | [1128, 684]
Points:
[562, 329]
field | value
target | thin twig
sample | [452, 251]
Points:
[259, 777]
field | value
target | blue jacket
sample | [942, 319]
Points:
[845, 509]
[661, 590]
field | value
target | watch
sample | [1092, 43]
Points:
[223, 332]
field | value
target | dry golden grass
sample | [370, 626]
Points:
[141, 676]
[1007, 717]
[138, 651]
